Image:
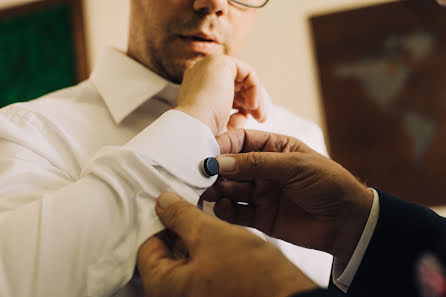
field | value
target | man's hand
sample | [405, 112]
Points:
[216, 85]
[289, 192]
[221, 259]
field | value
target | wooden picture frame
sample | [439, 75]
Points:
[382, 75]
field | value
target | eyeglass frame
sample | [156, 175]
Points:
[249, 5]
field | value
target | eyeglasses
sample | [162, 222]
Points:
[251, 3]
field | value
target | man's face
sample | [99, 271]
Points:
[442, 2]
[169, 36]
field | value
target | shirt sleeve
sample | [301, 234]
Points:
[63, 236]
[343, 276]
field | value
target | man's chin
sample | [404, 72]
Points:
[179, 66]
[189, 63]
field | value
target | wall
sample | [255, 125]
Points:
[106, 23]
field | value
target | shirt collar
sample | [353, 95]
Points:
[125, 85]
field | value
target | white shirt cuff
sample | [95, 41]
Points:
[169, 142]
[343, 278]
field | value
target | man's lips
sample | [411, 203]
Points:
[200, 37]
[201, 43]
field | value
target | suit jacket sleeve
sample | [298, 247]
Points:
[404, 231]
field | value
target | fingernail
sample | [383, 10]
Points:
[227, 164]
[167, 199]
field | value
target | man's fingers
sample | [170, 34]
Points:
[251, 154]
[253, 102]
[245, 74]
[234, 213]
[250, 91]
[231, 142]
[224, 210]
[240, 106]
[259, 165]
[235, 190]
[237, 121]
[210, 195]
[181, 217]
[158, 269]
[152, 254]
[243, 141]
[260, 113]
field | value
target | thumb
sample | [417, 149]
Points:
[258, 165]
[158, 270]
[153, 253]
[181, 217]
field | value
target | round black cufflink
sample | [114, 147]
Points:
[210, 167]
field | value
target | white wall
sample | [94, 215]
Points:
[106, 23]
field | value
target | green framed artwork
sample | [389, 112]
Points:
[42, 49]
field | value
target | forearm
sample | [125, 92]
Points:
[84, 237]
[81, 238]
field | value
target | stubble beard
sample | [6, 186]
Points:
[171, 63]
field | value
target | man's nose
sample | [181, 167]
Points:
[206, 7]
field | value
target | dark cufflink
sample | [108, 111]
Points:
[210, 167]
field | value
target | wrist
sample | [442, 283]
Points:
[204, 117]
[354, 220]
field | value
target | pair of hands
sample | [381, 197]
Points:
[220, 259]
[209, 91]
[291, 192]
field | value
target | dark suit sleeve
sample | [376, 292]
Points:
[404, 231]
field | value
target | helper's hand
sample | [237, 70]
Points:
[223, 259]
[292, 192]
[215, 85]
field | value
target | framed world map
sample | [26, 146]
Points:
[382, 73]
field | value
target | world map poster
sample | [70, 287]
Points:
[382, 75]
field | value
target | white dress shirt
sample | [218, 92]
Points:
[81, 169]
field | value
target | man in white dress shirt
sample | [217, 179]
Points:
[81, 168]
